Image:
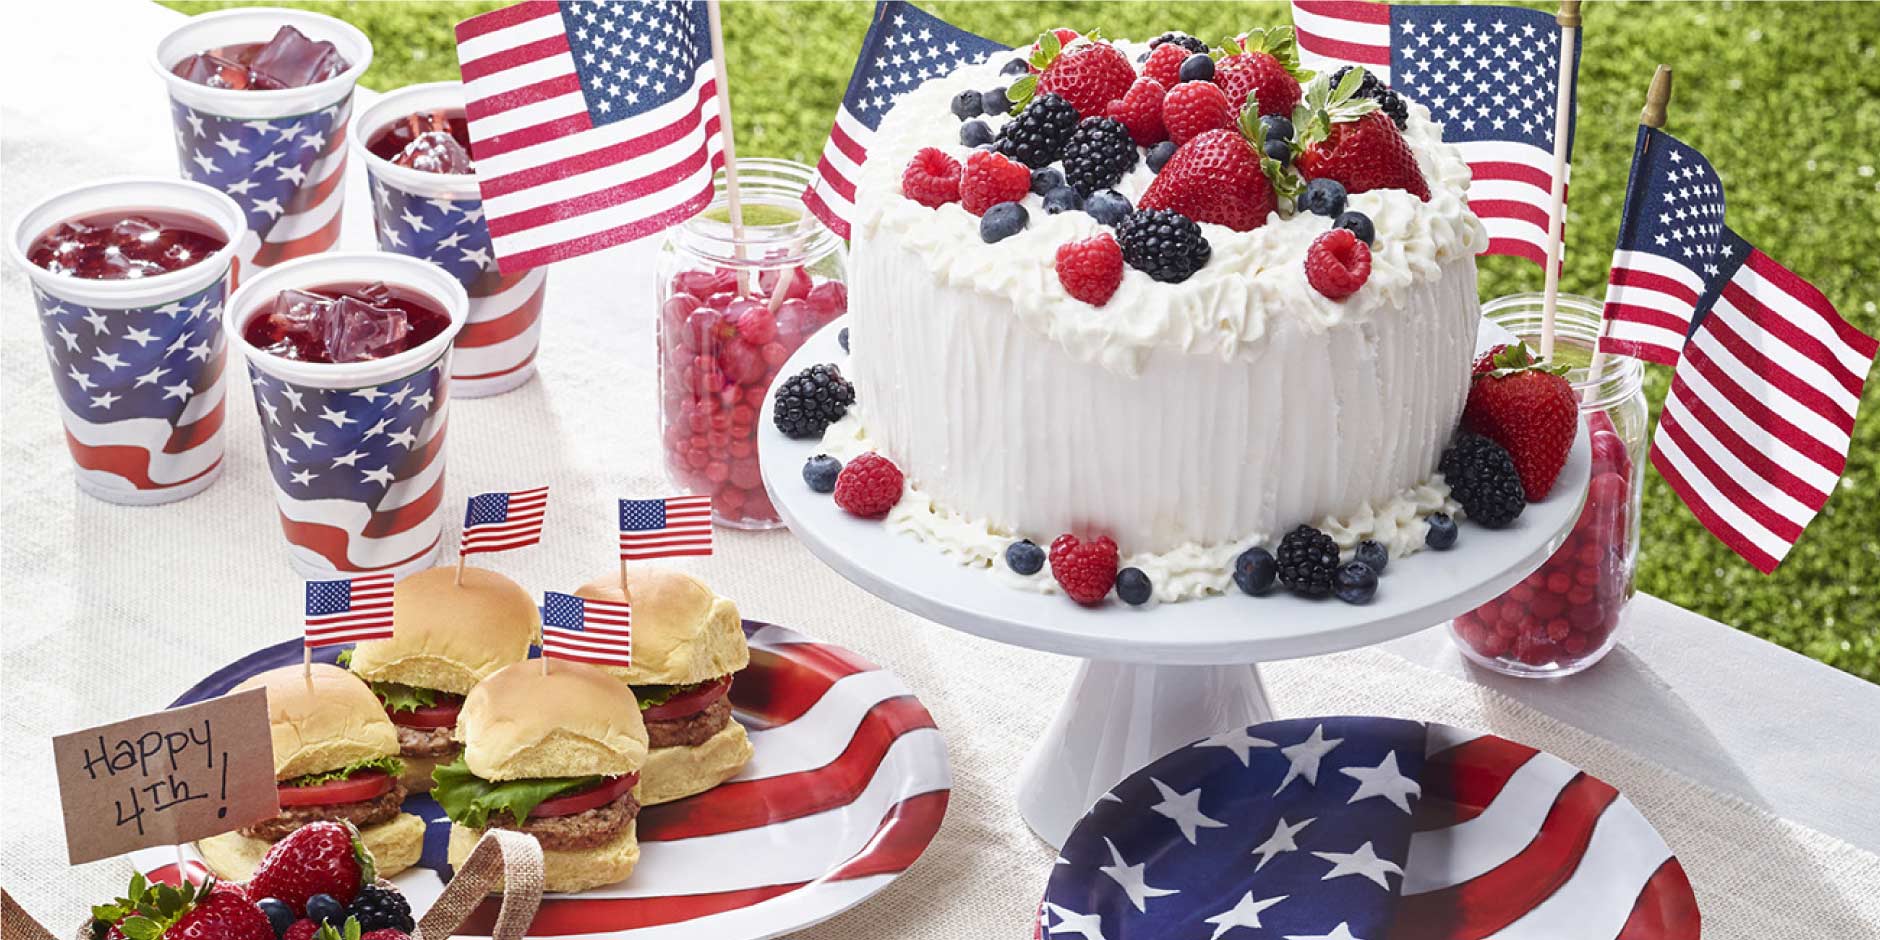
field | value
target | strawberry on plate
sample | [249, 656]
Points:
[1266, 70]
[213, 910]
[1191, 109]
[1217, 177]
[1345, 137]
[1088, 73]
[318, 858]
[1164, 63]
[1530, 410]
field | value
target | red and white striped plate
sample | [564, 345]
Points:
[847, 788]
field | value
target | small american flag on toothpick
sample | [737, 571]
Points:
[495, 522]
[665, 528]
[586, 630]
[350, 610]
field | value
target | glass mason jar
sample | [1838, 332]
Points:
[732, 310]
[1566, 615]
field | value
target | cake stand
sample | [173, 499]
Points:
[1159, 676]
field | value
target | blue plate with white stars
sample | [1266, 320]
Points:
[1364, 829]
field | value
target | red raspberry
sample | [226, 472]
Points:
[869, 486]
[1140, 109]
[932, 178]
[1338, 264]
[1085, 570]
[1193, 108]
[1165, 63]
[1091, 269]
[991, 179]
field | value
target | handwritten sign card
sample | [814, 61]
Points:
[166, 778]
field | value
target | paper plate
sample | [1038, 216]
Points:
[847, 788]
[1364, 829]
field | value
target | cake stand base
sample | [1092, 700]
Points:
[1120, 716]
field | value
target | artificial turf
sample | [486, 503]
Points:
[1784, 98]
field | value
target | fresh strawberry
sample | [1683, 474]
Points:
[1267, 69]
[301, 930]
[1064, 35]
[1091, 269]
[1191, 109]
[1165, 63]
[1485, 362]
[1088, 74]
[990, 179]
[932, 178]
[1366, 154]
[225, 914]
[1337, 264]
[318, 858]
[869, 486]
[1140, 110]
[1217, 178]
[213, 910]
[1530, 410]
[1085, 570]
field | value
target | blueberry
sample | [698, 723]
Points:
[1159, 155]
[1280, 150]
[1025, 557]
[1133, 587]
[974, 133]
[1197, 68]
[995, 101]
[820, 473]
[1359, 223]
[1372, 553]
[843, 338]
[279, 915]
[1044, 179]
[1323, 196]
[1062, 199]
[1356, 583]
[1107, 206]
[1256, 570]
[1015, 67]
[1274, 126]
[1442, 534]
[967, 104]
[1002, 222]
[325, 909]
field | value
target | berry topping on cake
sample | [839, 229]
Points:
[1091, 269]
[1085, 570]
[1045, 179]
[1255, 571]
[1064, 36]
[1266, 71]
[967, 104]
[1442, 532]
[1014, 67]
[1337, 264]
[1062, 199]
[811, 400]
[213, 910]
[820, 473]
[1108, 207]
[1323, 197]
[843, 338]
[975, 134]
[325, 910]
[1036, 137]
[1357, 223]
[1373, 553]
[1308, 561]
[1485, 363]
[1133, 587]
[1356, 583]
[1346, 138]
[1179, 38]
[1140, 110]
[1098, 154]
[1024, 557]
[1162, 243]
[1158, 155]
[1002, 222]
[1482, 477]
[1164, 64]
[1216, 178]
[1197, 68]
[1191, 109]
[990, 179]
[869, 486]
[932, 178]
[1088, 73]
[1530, 410]
[996, 101]
[1388, 101]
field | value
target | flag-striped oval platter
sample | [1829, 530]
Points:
[848, 786]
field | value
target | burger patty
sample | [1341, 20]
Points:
[425, 742]
[364, 813]
[692, 730]
[579, 832]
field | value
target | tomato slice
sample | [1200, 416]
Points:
[441, 715]
[357, 788]
[581, 801]
[687, 704]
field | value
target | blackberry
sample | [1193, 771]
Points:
[1370, 87]
[1163, 244]
[1037, 136]
[1308, 562]
[1388, 101]
[811, 400]
[380, 908]
[1481, 476]
[1181, 39]
[1099, 152]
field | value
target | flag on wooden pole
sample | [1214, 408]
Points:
[586, 630]
[349, 610]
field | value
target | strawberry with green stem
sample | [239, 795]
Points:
[213, 910]
[1344, 137]
[1219, 176]
[1262, 64]
[1529, 408]
[1088, 72]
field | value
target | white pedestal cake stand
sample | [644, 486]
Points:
[1163, 675]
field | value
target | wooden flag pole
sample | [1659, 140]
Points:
[1655, 114]
[1569, 20]
[734, 200]
[306, 661]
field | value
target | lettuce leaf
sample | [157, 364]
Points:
[403, 698]
[469, 799]
[390, 765]
[652, 695]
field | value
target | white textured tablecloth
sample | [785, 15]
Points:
[1758, 766]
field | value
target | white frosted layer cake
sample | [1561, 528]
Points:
[1185, 420]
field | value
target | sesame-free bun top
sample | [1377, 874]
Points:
[323, 723]
[572, 722]
[683, 633]
[449, 636]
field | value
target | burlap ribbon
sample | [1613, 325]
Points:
[16, 924]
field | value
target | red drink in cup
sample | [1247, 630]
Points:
[129, 277]
[349, 361]
[259, 102]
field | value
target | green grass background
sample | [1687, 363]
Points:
[1783, 97]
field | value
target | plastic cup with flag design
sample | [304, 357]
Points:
[355, 449]
[137, 363]
[280, 153]
[438, 217]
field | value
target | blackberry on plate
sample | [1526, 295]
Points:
[1373, 553]
[1163, 244]
[1036, 137]
[811, 400]
[1133, 587]
[1370, 87]
[1025, 557]
[1181, 39]
[820, 473]
[1482, 477]
[379, 908]
[1308, 562]
[1255, 571]
[1357, 583]
[1108, 207]
[1388, 101]
[1099, 152]
[1442, 532]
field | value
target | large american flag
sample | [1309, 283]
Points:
[665, 528]
[286, 174]
[1361, 829]
[592, 124]
[1490, 75]
[905, 46]
[496, 522]
[586, 630]
[350, 610]
[1755, 430]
